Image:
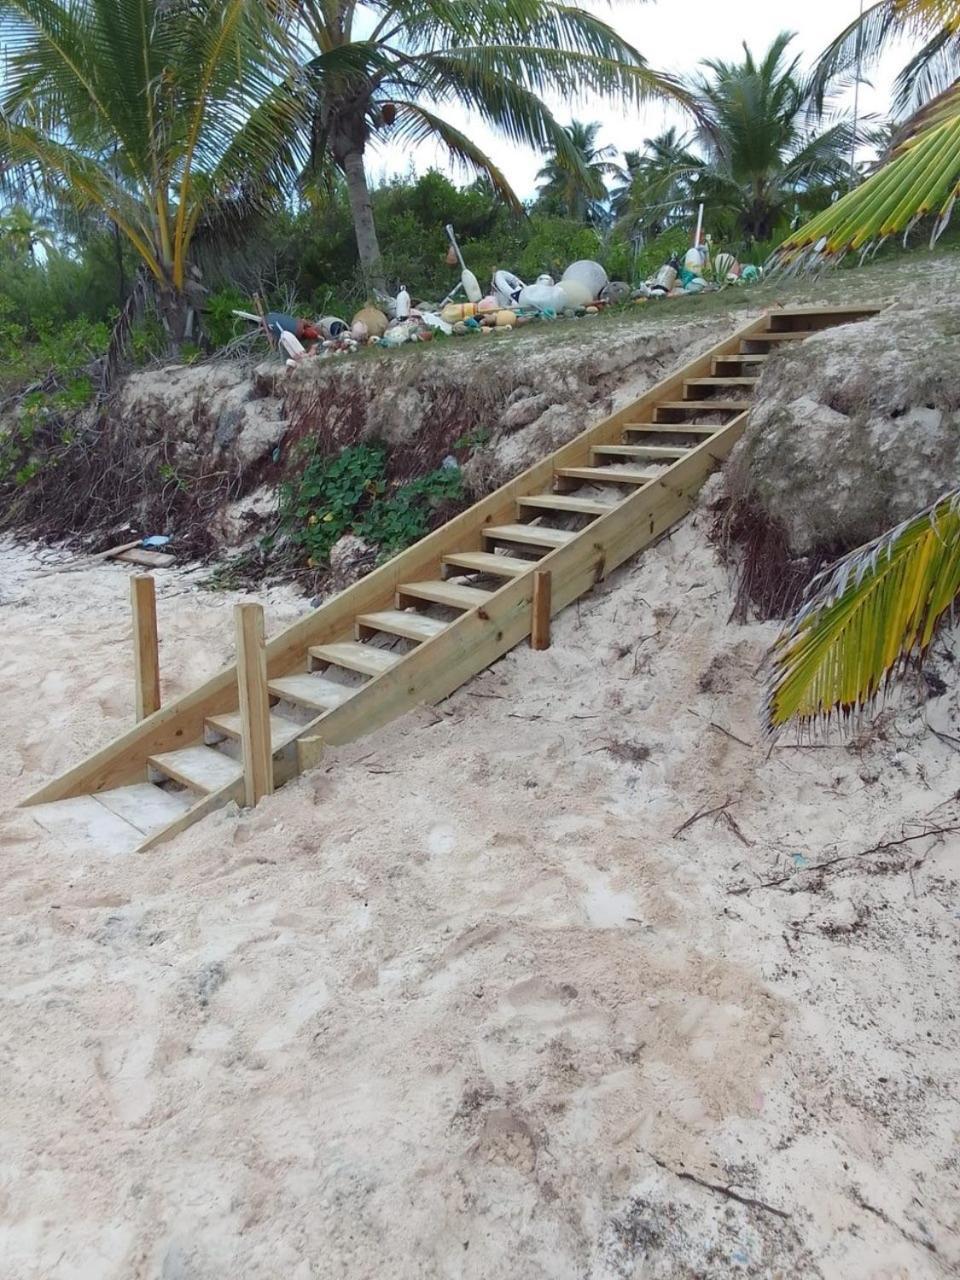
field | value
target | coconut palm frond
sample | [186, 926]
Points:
[865, 619]
[922, 178]
[414, 123]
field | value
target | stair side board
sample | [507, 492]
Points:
[180, 723]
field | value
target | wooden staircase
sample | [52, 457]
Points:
[426, 621]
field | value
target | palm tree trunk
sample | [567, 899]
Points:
[368, 246]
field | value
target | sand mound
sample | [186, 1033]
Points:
[567, 977]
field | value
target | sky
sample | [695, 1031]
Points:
[673, 35]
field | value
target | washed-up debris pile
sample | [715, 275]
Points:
[509, 303]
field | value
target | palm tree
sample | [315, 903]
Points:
[865, 619]
[388, 69]
[165, 117]
[579, 192]
[23, 231]
[762, 159]
[659, 182]
[920, 171]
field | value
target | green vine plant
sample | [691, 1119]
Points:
[350, 492]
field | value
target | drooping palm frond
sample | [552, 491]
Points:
[865, 619]
[922, 178]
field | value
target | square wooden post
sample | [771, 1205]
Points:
[540, 623]
[146, 654]
[254, 703]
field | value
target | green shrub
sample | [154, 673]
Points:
[394, 522]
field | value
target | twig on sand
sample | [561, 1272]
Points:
[881, 847]
[720, 729]
[719, 1189]
[701, 814]
[858, 1199]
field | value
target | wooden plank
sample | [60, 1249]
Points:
[670, 428]
[81, 820]
[731, 380]
[181, 722]
[531, 535]
[229, 724]
[308, 690]
[484, 562]
[146, 651]
[254, 703]
[398, 622]
[452, 594]
[707, 406]
[563, 502]
[200, 768]
[355, 657]
[150, 559]
[540, 610]
[146, 806]
[607, 475]
[658, 452]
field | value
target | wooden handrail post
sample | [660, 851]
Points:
[254, 703]
[540, 606]
[146, 651]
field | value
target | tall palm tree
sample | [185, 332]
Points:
[579, 192]
[762, 159]
[659, 182]
[920, 171]
[394, 69]
[163, 116]
[865, 619]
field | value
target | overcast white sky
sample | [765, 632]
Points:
[673, 35]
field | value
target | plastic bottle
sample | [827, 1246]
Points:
[403, 303]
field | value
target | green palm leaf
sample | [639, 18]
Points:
[865, 618]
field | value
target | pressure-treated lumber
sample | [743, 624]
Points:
[540, 610]
[146, 650]
[254, 703]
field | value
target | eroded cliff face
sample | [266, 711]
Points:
[856, 430]
[497, 404]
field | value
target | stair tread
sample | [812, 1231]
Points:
[659, 451]
[356, 656]
[310, 691]
[145, 805]
[788, 335]
[452, 594]
[486, 562]
[83, 821]
[730, 380]
[744, 357]
[623, 475]
[565, 502]
[203, 769]
[672, 428]
[532, 534]
[282, 730]
[709, 406]
[402, 622]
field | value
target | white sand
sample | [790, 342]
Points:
[461, 1003]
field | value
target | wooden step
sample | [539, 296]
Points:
[306, 690]
[607, 475]
[658, 452]
[746, 357]
[146, 806]
[732, 381]
[563, 502]
[355, 657]
[703, 406]
[788, 335]
[201, 769]
[530, 535]
[484, 562]
[228, 725]
[670, 428]
[452, 594]
[398, 622]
